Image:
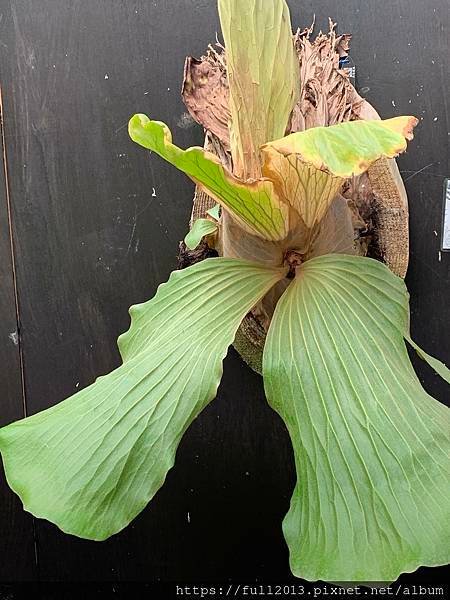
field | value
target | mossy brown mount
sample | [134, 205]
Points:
[376, 201]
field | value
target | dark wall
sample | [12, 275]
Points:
[95, 228]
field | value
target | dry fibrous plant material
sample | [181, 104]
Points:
[281, 195]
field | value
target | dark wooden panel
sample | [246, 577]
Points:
[17, 538]
[93, 238]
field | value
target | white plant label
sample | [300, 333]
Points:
[446, 224]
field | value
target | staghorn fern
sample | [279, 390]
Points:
[370, 445]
